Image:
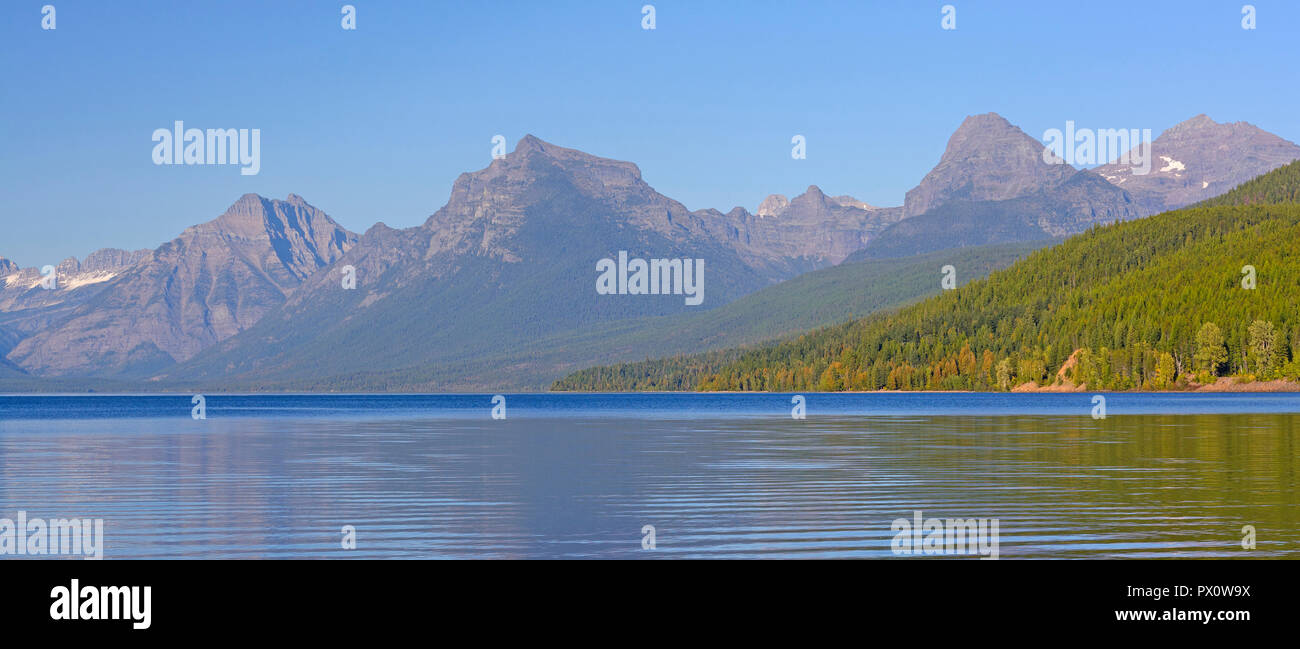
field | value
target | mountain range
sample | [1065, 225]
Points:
[496, 288]
[1152, 304]
[212, 282]
[992, 184]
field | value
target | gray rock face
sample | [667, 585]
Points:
[1069, 208]
[1198, 159]
[812, 226]
[772, 205]
[487, 208]
[211, 282]
[987, 158]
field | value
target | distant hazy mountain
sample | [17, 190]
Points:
[21, 288]
[1116, 308]
[1198, 159]
[987, 159]
[26, 306]
[811, 228]
[1069, 208]
[510, 258]
[993, 186]
[211, 282]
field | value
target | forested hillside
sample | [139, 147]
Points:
[1159, 303]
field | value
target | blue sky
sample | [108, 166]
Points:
[376, 124]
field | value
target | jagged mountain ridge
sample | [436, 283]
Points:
[213, 281]
[488, 229]
[509, 258]
[819, 229]
[995, 183]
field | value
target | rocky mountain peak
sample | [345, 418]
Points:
[539, 180]
[302, 236]
[811, 199]
[531, 149]
[1199, 121]
[987, 158]
[532, 144]
[1196, 159]
[144, 311]
[246, 216]
[772, 205]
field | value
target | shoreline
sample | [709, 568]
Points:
[1226, 385]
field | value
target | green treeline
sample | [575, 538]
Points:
[1156, 303]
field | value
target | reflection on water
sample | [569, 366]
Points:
[827, 486]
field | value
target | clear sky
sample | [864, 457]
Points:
[375, 124]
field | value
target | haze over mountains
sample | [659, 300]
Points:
[991, 185]
[212, 282]
[508, 261]
[1198, 159]
[1150, 304]
[496, 288]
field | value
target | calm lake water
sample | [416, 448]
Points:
[717, 475]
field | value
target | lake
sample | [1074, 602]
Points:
[715, 475]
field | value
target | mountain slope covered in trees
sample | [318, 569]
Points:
[1159, 303]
